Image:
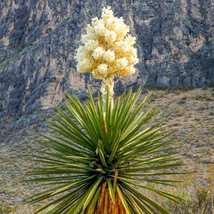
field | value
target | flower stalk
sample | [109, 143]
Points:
[107, 84]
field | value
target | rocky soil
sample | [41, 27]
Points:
[189, 113]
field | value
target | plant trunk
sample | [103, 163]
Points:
[106, 206]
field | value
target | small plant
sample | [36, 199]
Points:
[6, 209]
[200, 202]
[204, 95]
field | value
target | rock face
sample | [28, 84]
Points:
[175, 40]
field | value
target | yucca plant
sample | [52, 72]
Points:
[102, 159]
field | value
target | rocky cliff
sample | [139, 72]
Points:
[175, 40]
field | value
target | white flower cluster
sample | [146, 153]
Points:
[107, 48]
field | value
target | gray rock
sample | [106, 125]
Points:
[38, 40]
[163, 82]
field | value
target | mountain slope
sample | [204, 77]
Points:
[38, 40]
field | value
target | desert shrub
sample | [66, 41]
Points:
[6, 209]
[198, 202]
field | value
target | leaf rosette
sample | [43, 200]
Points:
[124, 152]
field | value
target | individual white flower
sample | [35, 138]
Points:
[118, 26]
[122, 63]
[91, 44]
[85, 38]
[99, 28]
[131, 70]
[94, 21]
[84, 65]
[131, 52]
[102, 69]
[109, 56]
[81, 53]
[127, 71]
[98, 53]
[121, 28]
[107, 13]
[130, 40]
[110, 37]
[133, 60]
[121, 46]
[96, 74]
[111, 23]
[90, 34]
